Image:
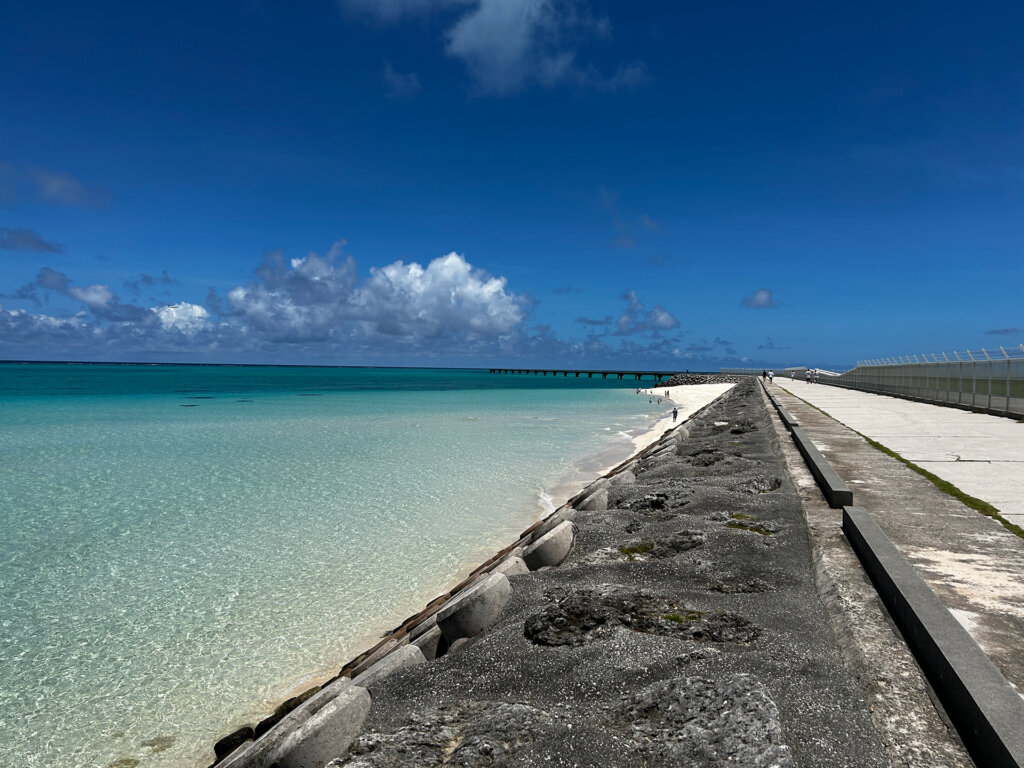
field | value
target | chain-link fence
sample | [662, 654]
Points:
[990, 381]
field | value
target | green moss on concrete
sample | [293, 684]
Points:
[636, 549]
[752, 527]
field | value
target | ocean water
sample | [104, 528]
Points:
[185, 546]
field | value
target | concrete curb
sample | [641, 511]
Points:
[836, 492]
[986, 710]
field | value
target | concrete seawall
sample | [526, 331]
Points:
[543, 544]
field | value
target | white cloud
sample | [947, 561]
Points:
[93, 296]
[636, 318]
[448, 298]
[760, 299]
[508, 44]
[185, 317]
[319, 299]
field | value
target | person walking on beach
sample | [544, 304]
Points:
[675, 414]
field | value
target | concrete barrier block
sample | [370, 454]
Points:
[552, 548]
[406, 656]
[595, 502]
[260, 751]
[668, 450]
[428, 642]
[986, 710]
[422, 628]
[511, 566]
[624, 477]
[374, 657]
[476, 609]
[551, 522]
[327, 734]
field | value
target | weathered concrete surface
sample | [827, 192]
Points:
[982, 455]
[683, 629]
[406, 656]
[973, 564]
[915, 733]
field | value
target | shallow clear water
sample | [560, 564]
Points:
[184, 546]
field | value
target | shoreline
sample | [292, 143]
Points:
[689, 399]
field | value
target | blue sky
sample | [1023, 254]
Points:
[510, 182]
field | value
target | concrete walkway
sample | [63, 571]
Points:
[973, 564]
[981, 455]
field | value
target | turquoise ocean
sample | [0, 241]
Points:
[183, 547]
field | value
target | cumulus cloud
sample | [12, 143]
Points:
[185, 317]
[400, 85]
[98, 298]
[760, 299]
[637, 318]
[12, 239]
[507, 45]
[317, 298]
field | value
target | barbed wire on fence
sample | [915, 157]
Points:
[984, 356]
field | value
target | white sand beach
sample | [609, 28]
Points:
[688, 398]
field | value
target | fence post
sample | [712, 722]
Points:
[989, 377]
[959, 378]
[1006, 410]
[974, 379]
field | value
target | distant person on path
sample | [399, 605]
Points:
[771, 376]
[807, 376]
[792, 375]
[675, 414]
[764, 374]
[815, 375]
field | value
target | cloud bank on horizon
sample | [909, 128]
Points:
[316, 307]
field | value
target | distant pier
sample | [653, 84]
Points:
[637, 375]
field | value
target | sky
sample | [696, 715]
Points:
[495, 183]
